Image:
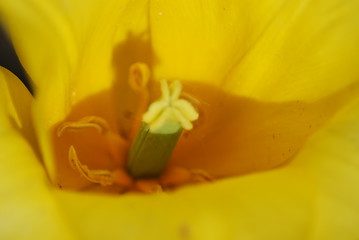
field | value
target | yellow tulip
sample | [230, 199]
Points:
[277, 84]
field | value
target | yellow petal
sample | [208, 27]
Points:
[310, 46]
[42, 38]
[46, 48]
[204, 40]
[314, 197]
[109, 41]
[331, 157]
[259, 49]
[73, 50]
[18, 104]
[27, 207]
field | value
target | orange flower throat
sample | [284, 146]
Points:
[229, 136]
[162, 126]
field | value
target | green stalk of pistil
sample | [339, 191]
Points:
[151, 151]
[160, 131]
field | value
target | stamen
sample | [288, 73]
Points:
[113, 140]
[139, 76]
[98, 123]
[103, 177]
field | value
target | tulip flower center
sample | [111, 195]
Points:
[173, 133]
[161, 127]
[160, 131]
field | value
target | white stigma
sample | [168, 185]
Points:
[170, 108]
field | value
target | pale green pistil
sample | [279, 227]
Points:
[160, 131]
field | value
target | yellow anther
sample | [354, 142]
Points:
[102, 177]
[139, 76]
[87, 122]
[170, 108]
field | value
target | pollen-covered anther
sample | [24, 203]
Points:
[96, 122]
[170, 108]
[101, 125]
[103, 177]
